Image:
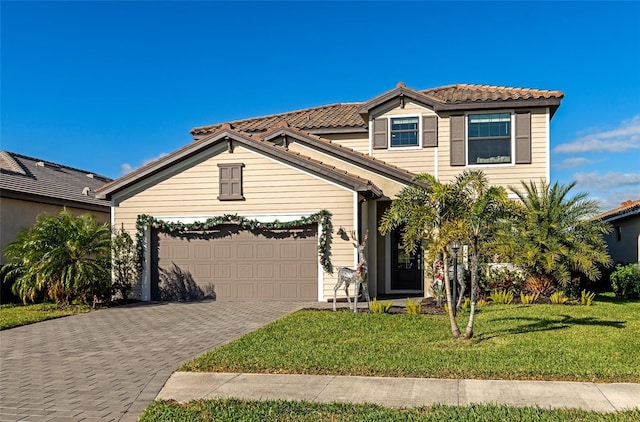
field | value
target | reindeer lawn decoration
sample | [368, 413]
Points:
[358, 276]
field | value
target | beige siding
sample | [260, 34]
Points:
[389, 187]
[18, 214]
[414, 159]
[355, 141]
[509, 175]
[269, 187]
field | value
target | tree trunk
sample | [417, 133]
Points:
[455, 331]
[468, 334]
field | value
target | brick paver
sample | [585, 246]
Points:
[110, 364]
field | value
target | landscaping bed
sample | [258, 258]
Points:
[596, 343]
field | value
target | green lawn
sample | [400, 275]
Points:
[281, 410]
[15, 315]
[549, 342]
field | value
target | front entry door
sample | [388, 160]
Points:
[406, 269]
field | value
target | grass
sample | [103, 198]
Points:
[548, 342]
[281, 410]
[12, 315]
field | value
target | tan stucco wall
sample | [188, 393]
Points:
[269, 188]
[627, 249]
[16, 214]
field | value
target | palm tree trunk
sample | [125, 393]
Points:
[455, 331]
[468, 334]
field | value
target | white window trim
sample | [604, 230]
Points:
[404, 148]
[513, 139]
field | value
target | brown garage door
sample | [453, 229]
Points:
[243, 264]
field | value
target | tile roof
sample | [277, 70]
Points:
[626, 207]
[333, 115]
[340, 150]
[31, 176]
[346, 115]
[464, 93]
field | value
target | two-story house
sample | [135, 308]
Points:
[278, 173]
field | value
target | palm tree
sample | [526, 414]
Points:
[429, 212]
[555, 235]
[62, 257]
[484, 206]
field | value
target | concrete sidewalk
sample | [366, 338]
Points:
[401, 392]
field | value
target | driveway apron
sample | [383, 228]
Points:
[110, 364]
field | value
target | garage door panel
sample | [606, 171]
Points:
[244, 271]
[202, 252]
[244, 264]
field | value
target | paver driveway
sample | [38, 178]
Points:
[110, 364]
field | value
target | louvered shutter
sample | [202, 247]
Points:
[457, 155]
[380, 133]
[523, 138]
[429, 131]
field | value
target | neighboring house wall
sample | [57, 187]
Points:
[16, 214]
[624, 240]
[269, 187]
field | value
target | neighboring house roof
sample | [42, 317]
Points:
[352, 116]
[627, 208]
[226, 134]
[32, 179]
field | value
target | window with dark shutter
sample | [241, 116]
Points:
[380, 133]
[429, 131]
[457, 157]
[230, 186]
[523, 138]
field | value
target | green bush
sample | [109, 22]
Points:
[380, 307]
[586, 298]
[625, 281]
[527, 299]
[559, 298]
[500, 278]
[501, 297]
[413, 308]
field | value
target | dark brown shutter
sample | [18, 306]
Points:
[230, 182]
[429, 131]
[380, 133]
[523, 138]
[457, 141]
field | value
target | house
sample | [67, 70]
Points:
[624, 240]
[242, 207]
[31, 186]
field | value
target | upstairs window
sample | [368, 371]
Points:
[404, 132]
[489, 138]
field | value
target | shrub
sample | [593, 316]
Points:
[501, 277]
[527, 299]
[380, 307]
[481, 303]
[558, 298]
[501, 297]
[587, 298]
[413, 308]
[123, 264]
[625, 281]
[466, 305]
[540, 284]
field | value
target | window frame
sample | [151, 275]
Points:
[512, 140]
[390, 134]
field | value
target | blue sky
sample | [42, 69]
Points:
[107, 86]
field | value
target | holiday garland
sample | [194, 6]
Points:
[322, 217]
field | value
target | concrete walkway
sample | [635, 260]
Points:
[110, 364]
[401, 392]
